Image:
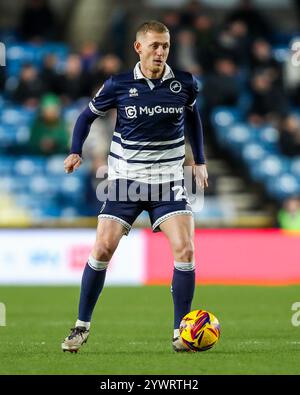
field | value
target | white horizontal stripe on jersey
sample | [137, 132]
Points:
[149, 173]
[159, 143]
[147, 155]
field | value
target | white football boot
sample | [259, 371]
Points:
[178, 345]
[76, 339]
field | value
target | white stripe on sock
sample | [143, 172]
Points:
[97, 265]
[83, 323]
[184, 266]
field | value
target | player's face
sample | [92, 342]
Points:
[153, 49]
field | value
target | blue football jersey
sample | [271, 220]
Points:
[148, 142]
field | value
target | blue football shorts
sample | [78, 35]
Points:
[126, 199]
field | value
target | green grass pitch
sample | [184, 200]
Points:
[132, 328]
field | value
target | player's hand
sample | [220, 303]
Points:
[72, 162]
[201, 175]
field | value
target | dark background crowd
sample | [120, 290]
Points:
[233, 59]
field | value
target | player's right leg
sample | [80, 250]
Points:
[109, 233]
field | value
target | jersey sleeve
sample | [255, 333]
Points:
[194, 91]
[105, 98]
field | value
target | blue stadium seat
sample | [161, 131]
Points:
[295, 167]
[50, 211]
[55, 165]
[12, 135]
[2, 103]
[71, 113]
[238, 136]
[18, 54]
[222, 118]
[69, 212]
[17, 115]
[268, 136]
[14, 184]
[72, 189]
[270, 166]
[22, 135]
[7, 135]
[30, 201]
[225, 116]
[283, 186]
[29, 166]
[253, 152]
[42, 185]
[6, 184]
[6, 165]
[245, 101]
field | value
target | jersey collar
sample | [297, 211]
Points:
[138, 75]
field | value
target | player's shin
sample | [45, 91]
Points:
[91, 286]
[183, 286]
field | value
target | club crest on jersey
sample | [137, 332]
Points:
[133, 92]
[175, 86]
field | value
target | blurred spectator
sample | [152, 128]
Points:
[190, 10]
[242, 41]
[204, 40]
[290, 136]
[108, 65]
[269, 103]
[221, 88]
[49, 74]
[29, 88]
[118, 31]
[171, 18]
[49, 134]
[185, 52]
[257, 24]
[89, 55]
[73, 83]
[38, 21]
[233, 42]
[289, 214]
[262, 60]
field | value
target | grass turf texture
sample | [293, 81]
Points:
[132, 328]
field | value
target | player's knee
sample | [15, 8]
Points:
[184, 251]
[103, 251]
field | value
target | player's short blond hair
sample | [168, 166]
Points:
[153, 26]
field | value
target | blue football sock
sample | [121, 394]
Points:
[183, 286]
[91, 286]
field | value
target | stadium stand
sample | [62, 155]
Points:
[244, 145]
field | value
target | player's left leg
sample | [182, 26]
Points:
[179, 230]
